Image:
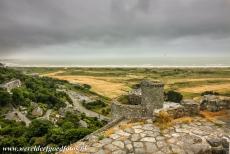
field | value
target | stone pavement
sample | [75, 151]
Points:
[197, 137]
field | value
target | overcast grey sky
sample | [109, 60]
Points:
[92, 29]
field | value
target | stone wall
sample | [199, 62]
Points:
[214, 103]
[127, 111]
[175, 110]
[134, 97]
[152, 96]
[191, 107]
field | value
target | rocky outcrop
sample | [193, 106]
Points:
[83, 124]
[214, 103]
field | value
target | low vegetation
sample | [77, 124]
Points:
[173, 96]
[43, 92]
[165, 120]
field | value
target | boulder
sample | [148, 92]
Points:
[37, 112]
[83, 124]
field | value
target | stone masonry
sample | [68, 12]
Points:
[143, 102]
[214, 103]
[152, 96]
[145, 137]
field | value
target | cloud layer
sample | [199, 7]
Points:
[114, 26]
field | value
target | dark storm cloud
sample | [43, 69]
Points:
[39, 23]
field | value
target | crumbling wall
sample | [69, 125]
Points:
[214, 103]
[176, 110]
[127, 111]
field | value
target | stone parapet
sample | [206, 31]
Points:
[146, 83]
[127, 111]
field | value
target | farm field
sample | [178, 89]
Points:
[113, 82]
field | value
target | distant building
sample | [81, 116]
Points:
[11, 85]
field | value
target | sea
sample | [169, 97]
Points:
[122, 62]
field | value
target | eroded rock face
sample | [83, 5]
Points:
[214, 103]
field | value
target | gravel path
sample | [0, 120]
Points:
[22, 117]
[77, 98]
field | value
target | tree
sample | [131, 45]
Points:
[209, 93]
[5, 98]
[39, 128]
[173, 96]
[18, 97]
[72, 135]
[56, 136]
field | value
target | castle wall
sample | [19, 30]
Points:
[134, 97]
[127, 111]
[152, 96]
[175, 110]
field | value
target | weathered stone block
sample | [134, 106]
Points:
[175, 110]
[191, 108]
[128, 111]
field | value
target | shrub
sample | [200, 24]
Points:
[39, 128]
[5, 98]
[173, 96]
[94, 105]
[209, 93]
[123, 99]
[164, 120]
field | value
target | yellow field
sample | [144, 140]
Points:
[200, 89]
[101, 85]
[114, 86]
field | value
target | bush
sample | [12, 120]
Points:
[164, 120]
[173, 96]
[94, 105]
[72, 135]
[123, 99]
[39, 128]
[5, 98]
[209, 93]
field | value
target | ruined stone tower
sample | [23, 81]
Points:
[152, 96]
